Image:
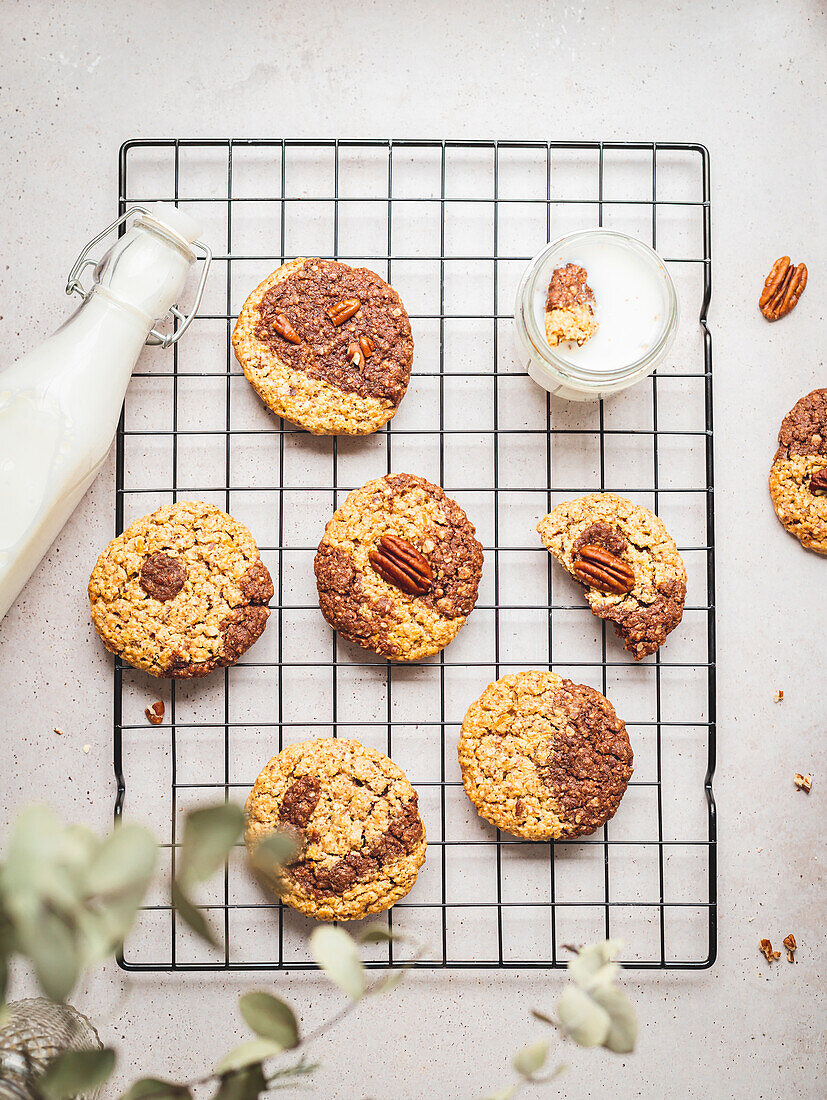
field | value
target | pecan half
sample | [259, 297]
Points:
[155, 713]
[602, 570]
[367, 345]
[402, 565]
[354, 356]
[818, 482]
[344, 310]
[782, 288]
[765, 947]
[791, 945]
[281, 323]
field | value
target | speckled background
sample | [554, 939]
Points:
[747, 80]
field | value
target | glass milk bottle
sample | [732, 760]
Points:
[60, 403]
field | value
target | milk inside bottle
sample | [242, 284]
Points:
[60, 403]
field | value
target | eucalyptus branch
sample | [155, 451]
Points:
[242, 1073]
[592, 1011]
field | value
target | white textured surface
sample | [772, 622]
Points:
[744, 79]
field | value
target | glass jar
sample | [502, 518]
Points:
[615, 264]
[35, 1032]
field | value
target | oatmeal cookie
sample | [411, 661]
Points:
[398, 568]
[356, 816]
[798, 478]
[569, 306]
[181, 592]
[326, 346]
[544, 758]
[628, 562]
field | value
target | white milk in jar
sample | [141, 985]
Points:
[636, 309]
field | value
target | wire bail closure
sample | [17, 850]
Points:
[155, 338]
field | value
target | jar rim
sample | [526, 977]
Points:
[524, 310]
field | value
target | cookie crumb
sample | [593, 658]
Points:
[791, 945]
[803, 782]
[779, 695]
[766, 950]
[155, 713]
[58, 731]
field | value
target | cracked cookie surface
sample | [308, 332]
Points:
[653, 607]
[356, 817]
[181, 592]
[801, 505]
[307, 376]
[369, 610]
[544, 758]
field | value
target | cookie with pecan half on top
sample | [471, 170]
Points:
[181, 592]
[628, 562]
[356, 818]
[398, 568]
[326, 346]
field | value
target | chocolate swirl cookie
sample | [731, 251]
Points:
[355, 814]
[181, 592]
[326, 346]
[798, 478]
[544, 758]
[628, 562]
[398, 568]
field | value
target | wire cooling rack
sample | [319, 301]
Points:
[451, 225]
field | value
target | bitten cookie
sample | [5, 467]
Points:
[798, 478]
[628, 562]
[181, 592]
[326, 346]
[398, 568]
[356, 816]
[544, 758]
[569, 306]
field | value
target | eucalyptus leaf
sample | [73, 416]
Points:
[151, 1088]
[594, 1011]
[623, 1022]
[74, 1072]
[393, 979]
[335, 952]
[502, 1094]
[531, 1058]
[273, 852]
[583, 1020]
[50, 945]
[192, 916]
[248, 1054]
[209, 836]
[33, 871]
[270, 1018]
[124, 862]
[104, 927]
[246, 1084]
[587, 963]
[379, 933]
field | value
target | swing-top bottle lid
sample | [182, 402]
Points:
[173, 219]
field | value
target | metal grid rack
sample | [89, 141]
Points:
[451, 225]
